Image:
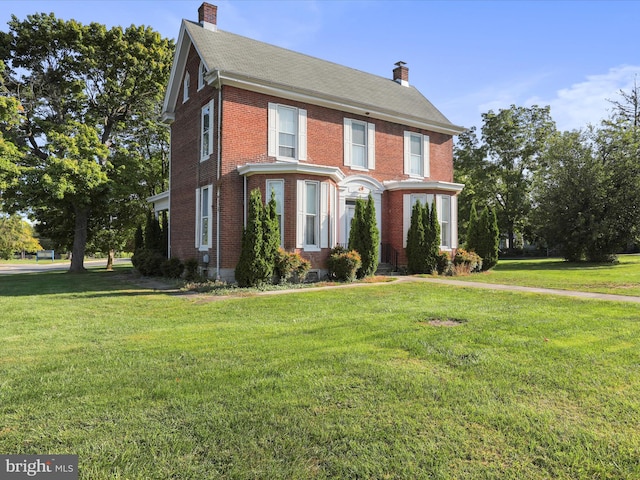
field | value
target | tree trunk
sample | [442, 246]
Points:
[110, 258]
[79, 240]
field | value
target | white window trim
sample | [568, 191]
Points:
[370, 145]
[268, 199]
[210, 142]
[302, 216]
[273, 147]
[201, 73]
[199, 208]
[425, 155]
[185, 87]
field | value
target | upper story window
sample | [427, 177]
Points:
[416, 154]
[287, 132]
[206, 136]
[185, 87]
[359, 144]
[276, 187]
[202, 71]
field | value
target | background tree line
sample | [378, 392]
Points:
[81, 144]
[576, 193]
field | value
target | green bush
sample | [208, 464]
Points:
[466, 262]
[343, 265]
[148, 262]
[191, 269]
[172, 268]
[443, 263]
[290, 265]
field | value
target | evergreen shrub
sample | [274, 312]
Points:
[172, 268]
[191, 269]
[148, 262]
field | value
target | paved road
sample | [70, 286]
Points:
[44, 266]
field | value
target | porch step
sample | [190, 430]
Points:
[384, 269]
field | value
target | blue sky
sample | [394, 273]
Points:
[467, 57]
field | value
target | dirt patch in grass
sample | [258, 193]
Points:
[443, 322]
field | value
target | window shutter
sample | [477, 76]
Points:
[333, 217]
[300, 214]
[407, 153]
[438, 206]
[347, 142]
[406, 216]
[302, 134]
[324, 215]
[197, 217]
[454, 221]
[371, 146]
[425, 156]
[272, 141]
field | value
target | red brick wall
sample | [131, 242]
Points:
[244, 140]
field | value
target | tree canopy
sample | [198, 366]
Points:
[88, 96]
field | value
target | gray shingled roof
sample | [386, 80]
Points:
[233, 54]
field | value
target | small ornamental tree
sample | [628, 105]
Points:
[252, 268]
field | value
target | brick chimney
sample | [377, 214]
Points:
[401, 74]
[208, 16]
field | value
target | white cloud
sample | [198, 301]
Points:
[587, 102]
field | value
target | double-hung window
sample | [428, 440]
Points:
[311, 223]
[203, 217]
[287, 132]
[276, 187]
[315, 227]
[416, 154]
[359, 144]
[206, 136]
[445, 221]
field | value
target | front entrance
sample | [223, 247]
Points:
[349, 212]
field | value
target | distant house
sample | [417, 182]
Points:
[245, 115]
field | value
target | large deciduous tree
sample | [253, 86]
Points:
[499, 171]
[85, 90]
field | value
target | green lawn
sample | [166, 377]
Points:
[621, 279]
[344, 383]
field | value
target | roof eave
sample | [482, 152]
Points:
[334, 102]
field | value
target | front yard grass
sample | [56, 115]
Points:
[345, 383]
[622, 278]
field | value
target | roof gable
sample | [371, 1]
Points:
[264, 67]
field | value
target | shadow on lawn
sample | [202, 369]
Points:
[551, 265]
[91, 284]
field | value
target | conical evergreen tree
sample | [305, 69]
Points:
[491, 240]
[370, 240]
[473, 237]
[271, 232]
[138, 240]
[415, 240]
[433, 241]
[357, 226]
[252, 269]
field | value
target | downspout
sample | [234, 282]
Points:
[218, 176]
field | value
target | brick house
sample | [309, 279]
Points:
[244, 115]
